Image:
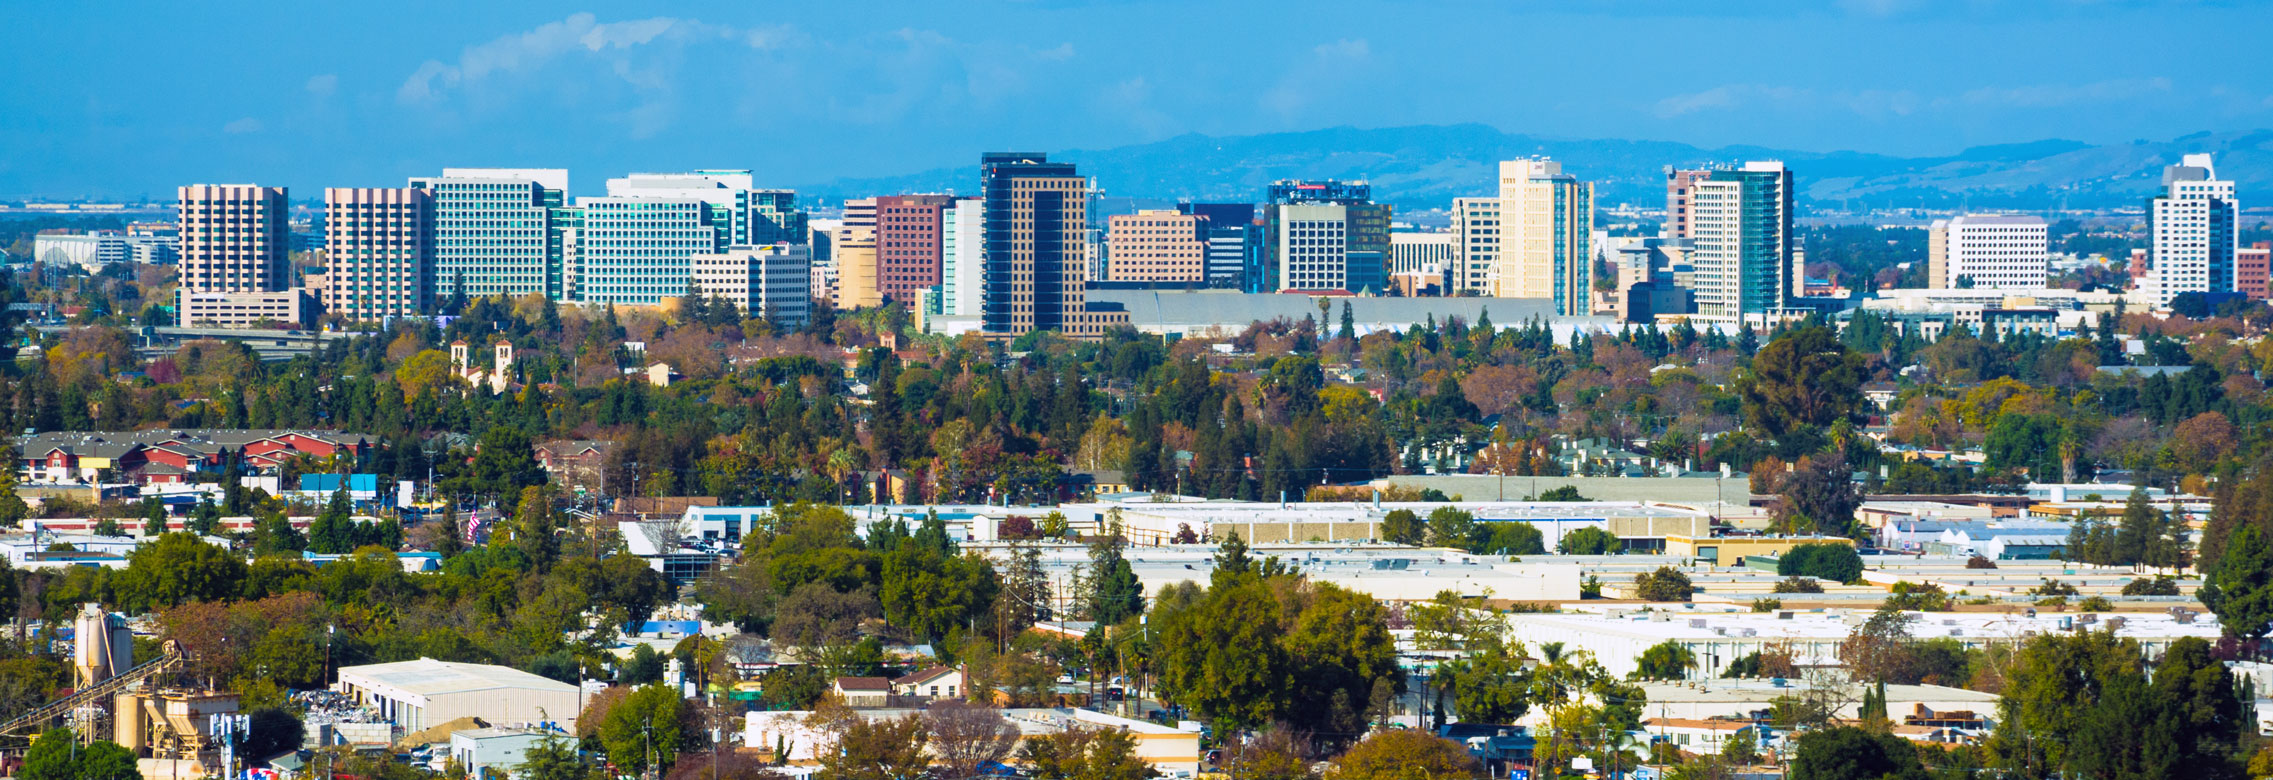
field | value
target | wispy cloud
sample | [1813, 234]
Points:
[2056, 95]
[1883, 103]
[580, 33]
[243, 126]
[1327, 64]
[1726, 96]
[323, 85]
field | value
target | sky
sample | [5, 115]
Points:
[128, 100]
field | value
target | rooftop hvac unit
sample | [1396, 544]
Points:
[1696, 622]
[1751, 632]
[1784, 615]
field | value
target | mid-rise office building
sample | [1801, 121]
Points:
[910, 232]
[1233, 251]
[853, 247]
[1037, 254]
[1156, 245]
[235, 238]
[773, 281]
[1476, 244]
[1678, 182]
[962, 258]
[1989, 251]
[2250, 268]
[1547, 219]
[1421, 253]
[637, 240]
[378, 252]
[2194, 231]
[1740, 231]
[502, 231]
[1325, 235]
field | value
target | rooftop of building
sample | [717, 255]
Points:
[1836, 625]
[428, 677]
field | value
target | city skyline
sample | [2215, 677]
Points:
[804, 96]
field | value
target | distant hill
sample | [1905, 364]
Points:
[1427, 166]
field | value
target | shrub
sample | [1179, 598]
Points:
[2159, 586]
[1798, 585]
[1979, 562]
[2052, 587]
[1665, 584]
[1767, 605]
[2095, 604]
[1834, 562]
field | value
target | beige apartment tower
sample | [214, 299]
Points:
[235, 238]
[1156, 246]
[378, 252]
[1547, 225]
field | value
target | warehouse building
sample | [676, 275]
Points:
[416, 694]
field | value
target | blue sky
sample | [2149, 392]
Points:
[125, 100]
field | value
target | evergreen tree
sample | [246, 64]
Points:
[153, 516]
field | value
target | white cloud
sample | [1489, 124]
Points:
[1726, 96]
[1346, 48]
[1059, 53]
[579, 33]
[323, 85]
[242, 126]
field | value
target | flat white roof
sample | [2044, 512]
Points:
[428, 677]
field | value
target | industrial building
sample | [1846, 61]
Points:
[415, 694]
[1167, 749]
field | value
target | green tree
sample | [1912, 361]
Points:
[2054, 682]
[1834, 562]
[1402, 526]
[56, 755]
[1664, 584]
[1115, 594]
[2240, 589]
[1448, 526]
[176, 569]
[1507, 538]
[13, 510]
[1564, 493]
[1404, 754]
[555, 758]
[874, 749]
[1666, 660]
[1084, 754]
[1801, 382]
[647, 719]
[1849, 753]
[206, 519]
[153, 517]
[1589, 540]
[333, 532]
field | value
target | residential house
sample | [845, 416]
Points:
[933, 683]
[576, 463]
[860, 692]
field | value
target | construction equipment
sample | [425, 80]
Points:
[30, 724]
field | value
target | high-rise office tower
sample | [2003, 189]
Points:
[502, 231]
[962, 257]
[909, 233]
[378, 252]
[1476, 246]
[2193, 230]
[773, 281]
[1325, 235]
[1037, 254]
[1740, 227]
[1547, 220]
[1991, 251]
[1156, 245]
[1231, 240]
[1677, 200]
[234, 238]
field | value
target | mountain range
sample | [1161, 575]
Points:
[1426, 166]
